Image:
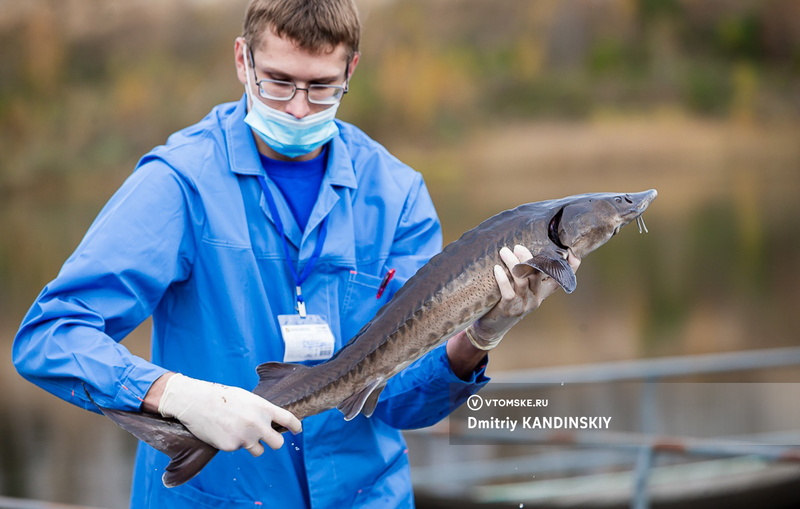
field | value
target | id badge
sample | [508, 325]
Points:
[306, 339]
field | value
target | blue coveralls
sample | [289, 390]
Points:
[189, 239]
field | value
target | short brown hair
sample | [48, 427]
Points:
[315, 25]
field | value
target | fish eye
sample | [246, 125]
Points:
[618, 199]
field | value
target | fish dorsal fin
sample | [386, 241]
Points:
[271, 373]
[363, 401]
[554, 266]
[278, 381]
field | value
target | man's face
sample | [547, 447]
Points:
[277, 58]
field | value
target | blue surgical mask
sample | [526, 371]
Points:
[283, 132]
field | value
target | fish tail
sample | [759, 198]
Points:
[188, 454]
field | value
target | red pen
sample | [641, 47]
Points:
[388, 277]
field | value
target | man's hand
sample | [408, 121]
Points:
[518, 297]
[226, 417]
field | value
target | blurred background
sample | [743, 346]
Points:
[496, 103]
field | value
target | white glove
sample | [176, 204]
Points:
[518, 297]
[223, 416]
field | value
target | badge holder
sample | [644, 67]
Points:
[305, 337]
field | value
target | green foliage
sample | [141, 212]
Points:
[652, 9]
[740, 37]
[707, 88]
[607, 56]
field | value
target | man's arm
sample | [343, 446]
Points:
[153, 397]
[142, 242]
[139, 244]
[464, 358]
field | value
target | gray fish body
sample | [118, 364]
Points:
[455, 288]
[450, 292]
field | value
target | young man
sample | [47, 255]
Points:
[265, 210]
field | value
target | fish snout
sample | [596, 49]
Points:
[642, 200]
[633, 205]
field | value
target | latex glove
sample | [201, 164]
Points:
[223, 416]
[518, 297]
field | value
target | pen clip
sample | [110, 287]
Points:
[388, 277]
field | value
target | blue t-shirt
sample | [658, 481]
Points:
[299, 182]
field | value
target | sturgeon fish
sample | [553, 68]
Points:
[455, 288]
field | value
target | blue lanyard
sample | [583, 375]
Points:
[298, 279]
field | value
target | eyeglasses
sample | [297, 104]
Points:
[280, 90]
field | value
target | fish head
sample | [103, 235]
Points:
[579, 225]
[586, 222]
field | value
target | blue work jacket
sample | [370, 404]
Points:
[189, 239]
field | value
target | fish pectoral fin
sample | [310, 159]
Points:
[555, 267]
[188, 453]
[372, 401]
[363, 401]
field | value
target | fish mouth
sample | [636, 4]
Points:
[639, 223]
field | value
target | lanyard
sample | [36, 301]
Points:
[298, 279]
